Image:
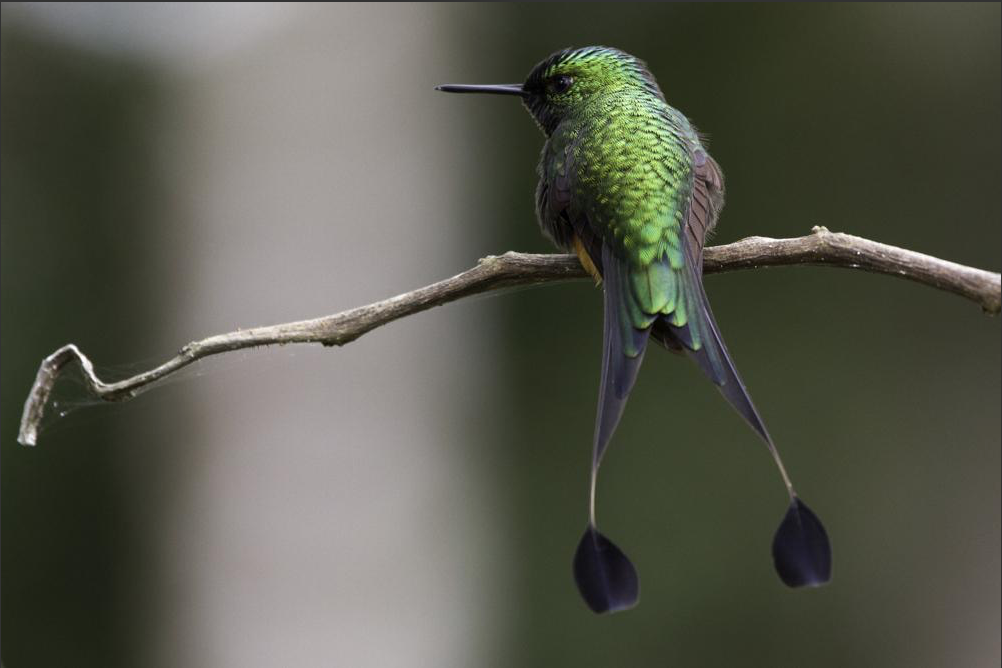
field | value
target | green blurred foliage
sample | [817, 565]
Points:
[75, 161]
[883, 396]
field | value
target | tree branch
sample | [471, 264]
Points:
[517, 269]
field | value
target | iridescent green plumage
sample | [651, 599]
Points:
[627, 175]
[625, 182]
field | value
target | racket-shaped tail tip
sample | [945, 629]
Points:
[800, 549]
[605, 577]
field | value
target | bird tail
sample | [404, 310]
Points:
[700, 338]
[623, 350]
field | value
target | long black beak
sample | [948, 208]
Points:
[496, 89]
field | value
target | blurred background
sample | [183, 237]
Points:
[175, 171]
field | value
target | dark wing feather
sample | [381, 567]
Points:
[704, 209]
[710, 353]
[713, 357]
[553, 192]
[706, 202]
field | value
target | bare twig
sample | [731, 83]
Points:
[515, 269]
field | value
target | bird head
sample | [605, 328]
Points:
[569, 79]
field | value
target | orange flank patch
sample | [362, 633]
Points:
[586, 260]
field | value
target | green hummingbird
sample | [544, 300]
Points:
[626, 183]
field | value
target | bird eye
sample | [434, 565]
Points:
[561, 83]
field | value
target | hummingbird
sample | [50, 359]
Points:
[626, 183]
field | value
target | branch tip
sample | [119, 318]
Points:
[821, 248]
